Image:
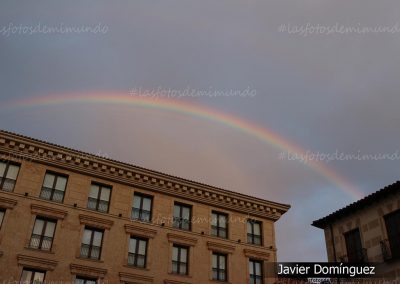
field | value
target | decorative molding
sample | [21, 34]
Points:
[181, 239]
[166, 281]
[130, 278]
[36, 262]
[140, 231]
[95, 221]
[224, 248]
[25, 148]
[7, 203]
[256, 254]
[87, 271]
[48, 211]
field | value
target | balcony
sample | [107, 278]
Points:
[360, 255]
[7, 184]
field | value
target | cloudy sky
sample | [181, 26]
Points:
[325, 78]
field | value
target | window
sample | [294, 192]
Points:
[99, 197]
[354, 247]
[392, 222]
[81, 280]
[256, 272]
[219, 270]
[182, 216]
[137, 252]
[42, 234]
[2, 213]
[8, 175]
[30, 276]
[53, 187]
[91, 243]
[180, 260]
[141, 209]
[254, 232]
[219, 224]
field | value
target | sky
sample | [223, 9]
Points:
[323, 75]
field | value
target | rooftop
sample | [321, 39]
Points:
[362, 203]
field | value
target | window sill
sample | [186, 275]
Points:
[219, 281]
[180, 275]
[90, 259]
[39, 250]
[137, 268]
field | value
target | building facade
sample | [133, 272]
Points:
[367, 231]
[71, 217]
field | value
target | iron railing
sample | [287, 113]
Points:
[137, 260]
[90, 251]
[7, 184]
[97, 204]
[40, 242]
[52, 194]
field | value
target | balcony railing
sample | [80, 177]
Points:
[98, 205]
[357, 256]
[141, 215]
[136, 260]
[52, 194]
[89, 251]
[40, 242]
[7, 184]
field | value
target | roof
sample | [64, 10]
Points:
[362, 203]
[282, 207]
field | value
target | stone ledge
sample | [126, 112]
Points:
[181, 239]
[88, 271]
[96, 222]
[48, 211]
[36, 262]
[224, 248]
[130, 278]
[140, 231]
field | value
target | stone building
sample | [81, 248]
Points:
[72, 217]
[367, 231]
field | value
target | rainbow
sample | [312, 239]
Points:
[190, 109]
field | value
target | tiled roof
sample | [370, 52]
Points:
[364, 202]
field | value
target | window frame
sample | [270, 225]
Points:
[252, 235]
[180, 221]
[42, 236]
[218, 228]
[140, 209]
[218, 269]
[53, 188]
[97, 199]
[3, 178]
[253, 277]
[178, 261]
[90, 245]
[394, 249]
[34, 271]
[136, 252]
[3, 213]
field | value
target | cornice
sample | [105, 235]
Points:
[36, 262]
[140, 231]
[256, 254]
[224, 248]
[16, 147]
[7, 203]
[181, 239]
[87, 270]
[131, 278]
[95, 221]
[48, 211]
